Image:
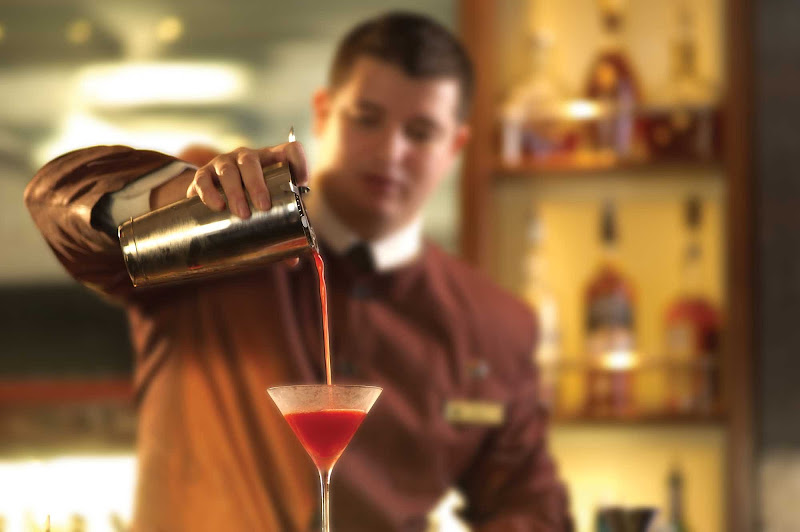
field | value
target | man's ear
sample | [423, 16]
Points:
[321, 104]
[461, 138]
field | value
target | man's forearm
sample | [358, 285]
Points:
[62, 199]
[172, 190]
[137, 197]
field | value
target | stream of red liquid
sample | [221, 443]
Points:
[323, 299]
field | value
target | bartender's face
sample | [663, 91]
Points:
[386, 141]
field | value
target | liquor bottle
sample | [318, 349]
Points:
[538, 292]
[676, 519]
[683, 119]
[613, 83]
[610, 330]
[531, 129]
[692, 327]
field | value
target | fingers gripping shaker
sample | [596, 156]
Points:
[187, 240]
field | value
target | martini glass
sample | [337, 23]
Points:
[324, 418]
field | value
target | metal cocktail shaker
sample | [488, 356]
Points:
[187, 240]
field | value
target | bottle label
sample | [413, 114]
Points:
[610, 310]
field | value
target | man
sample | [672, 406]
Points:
[451, 351]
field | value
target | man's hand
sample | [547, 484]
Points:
[240, 171]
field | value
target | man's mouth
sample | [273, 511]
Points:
[381, 183]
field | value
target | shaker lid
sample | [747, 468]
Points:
[299, 191]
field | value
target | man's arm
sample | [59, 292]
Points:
[62, 199]
[513, 486]
[139, 197]
[159, 188]
[75, 200]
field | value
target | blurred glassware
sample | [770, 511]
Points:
[77, 523]
[446, 516]
[532, 123]
[118, 523]
[676, 520]
[620, 519]
[682, 120]
[692, 329]
[612, 80]
[538, 292]
[610, 342]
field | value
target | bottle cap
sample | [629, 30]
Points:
[608, 226]
[694, 212]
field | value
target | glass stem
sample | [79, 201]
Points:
[325, 488]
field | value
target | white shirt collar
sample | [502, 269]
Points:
[389, 252]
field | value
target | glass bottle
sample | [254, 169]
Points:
[676, 519]
[531, 129]
[612, 82]
[538, 292]
[683, 118]
[610, 330]
[692, 326]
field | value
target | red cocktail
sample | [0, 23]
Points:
[324, 418]
[325, 433]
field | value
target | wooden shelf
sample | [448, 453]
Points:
[60, 391]
[646, 363]
[645, 419]
[693, 169]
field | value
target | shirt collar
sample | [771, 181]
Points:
[389, 252]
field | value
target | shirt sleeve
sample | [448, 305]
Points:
[513, 486]
[62, 197]
[133, 199]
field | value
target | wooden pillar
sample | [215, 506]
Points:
[476, 19]
[740, 344]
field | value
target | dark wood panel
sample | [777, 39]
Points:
[61, 330]
[739, 365]
[777, 78]
[16, 393]
[476, 19]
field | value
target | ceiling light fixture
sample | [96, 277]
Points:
[79, 31]
[169, 29]
[161, 83]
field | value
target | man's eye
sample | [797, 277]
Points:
[365, 120]
[420, 135]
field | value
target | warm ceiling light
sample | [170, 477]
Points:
[169, 29]
[79, 31]
[131, 84]
[166, 135]
[582, 109]
[619, 360]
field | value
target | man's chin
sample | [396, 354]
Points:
[382, 219]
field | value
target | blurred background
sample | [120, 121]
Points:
[632, 175]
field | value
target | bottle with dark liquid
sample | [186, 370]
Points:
[610, 331]
[692, 325]
[683, 118]
[676, 519]
[612, 82]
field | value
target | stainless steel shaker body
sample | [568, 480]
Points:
[187, 240]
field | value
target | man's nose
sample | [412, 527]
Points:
[392, 146]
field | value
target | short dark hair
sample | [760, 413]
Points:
[418, 45]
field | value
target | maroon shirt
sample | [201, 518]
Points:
[215, 454]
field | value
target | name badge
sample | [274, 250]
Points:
[466, 412]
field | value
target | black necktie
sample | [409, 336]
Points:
[360, 256]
